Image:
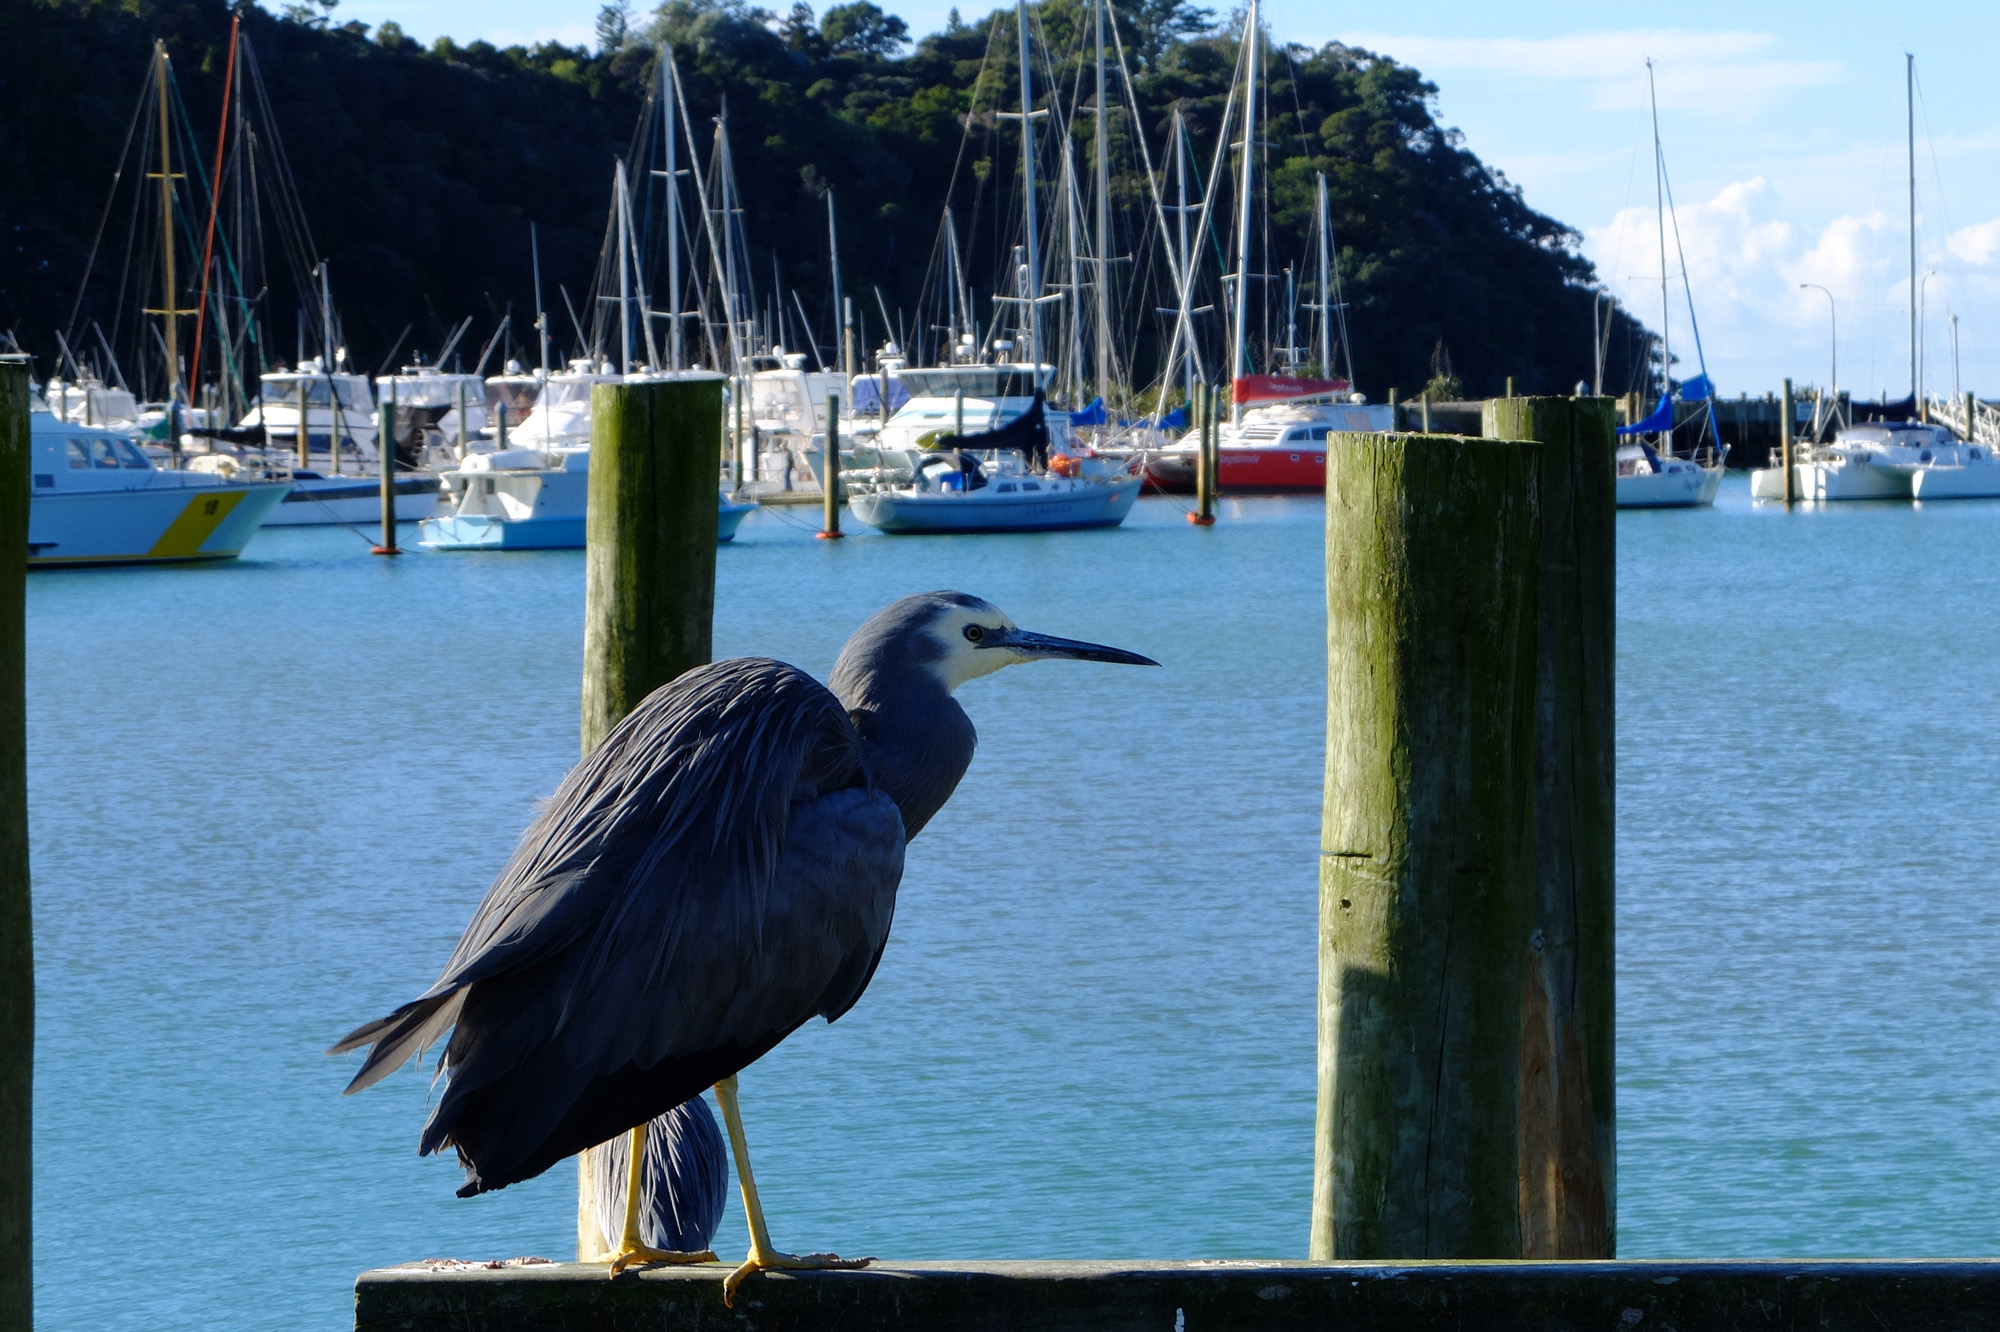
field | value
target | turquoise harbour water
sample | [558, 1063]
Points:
[267, 795]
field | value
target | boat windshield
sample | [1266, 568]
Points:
[563, 392]
[432, 390]
[516, 395]
[87, 452]
[984, 381]
[353, 390]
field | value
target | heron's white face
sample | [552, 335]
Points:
[968, 637]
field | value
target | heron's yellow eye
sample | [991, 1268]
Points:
[973, 633]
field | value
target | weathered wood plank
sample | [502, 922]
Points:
[1200, 1297]
[17, 951]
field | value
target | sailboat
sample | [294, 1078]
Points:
[1652, 476]
[1900, 459]
[998, 479]
[1276, 435]
[531, 492]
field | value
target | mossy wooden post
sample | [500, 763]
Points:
[829, 475]
[1785, 439]
[17, 953]
[1426, 871]
[649, 561]
[1568, 1127]
[385, 463]
[1204, 458]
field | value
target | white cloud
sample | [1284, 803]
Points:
[1977, 245]
[1730, 73]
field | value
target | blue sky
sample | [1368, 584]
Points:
[1783, 130]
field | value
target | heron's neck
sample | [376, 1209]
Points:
[917, 747]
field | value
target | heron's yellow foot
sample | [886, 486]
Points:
[771, 1261]
[638, 1255]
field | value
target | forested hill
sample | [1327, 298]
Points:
[420, 168]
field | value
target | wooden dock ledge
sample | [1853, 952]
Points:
[1218, 1296]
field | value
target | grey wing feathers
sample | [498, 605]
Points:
[700, 776]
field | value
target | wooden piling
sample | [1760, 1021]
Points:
[829, 474]
[1204, 458]
[1424, 413]
[17, 955]
[385, 462]
[304, 432]
[1395, 416]
[1785, 441]
[649, 575]
[1427, 865]
[1568, 1137]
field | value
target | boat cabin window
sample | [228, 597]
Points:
[1300, 434]
[104, 451]
[562, 392]
[285, 389]
[518, 396]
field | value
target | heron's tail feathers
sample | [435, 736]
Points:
[397, 1037]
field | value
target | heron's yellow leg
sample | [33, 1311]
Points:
[763, 1256]
[630, 1250]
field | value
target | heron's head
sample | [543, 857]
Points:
[953, 637]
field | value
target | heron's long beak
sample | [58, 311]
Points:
[1032, 646]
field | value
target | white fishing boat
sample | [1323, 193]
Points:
[96, 498]
[1891, 460]
[788, 412]
[528, 499]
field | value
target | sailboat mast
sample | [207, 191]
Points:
[624, 272]
[732, 297]
[667, 73]
[951, 287]
[1033, 294]
[1180, 216]
[1910, 110]
[326, 325]
[1239, 355]
[842, 313]
[1103, 224]
[1660, 211]
[169, 307]
[1325, 286]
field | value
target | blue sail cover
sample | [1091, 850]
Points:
[1698, 389]
[1662, 419]
[868, 394]
[1176, 419]
[1092, 415]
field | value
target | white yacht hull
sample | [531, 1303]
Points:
[1825, 481]
[900, 512]
[1685, 487]
[1966, 481]
[353, 501]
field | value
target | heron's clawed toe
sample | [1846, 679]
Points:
[639, 1256]
[787, 1262]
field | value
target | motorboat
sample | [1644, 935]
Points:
[1649, 480]
[788, 412]
[1888, 460]
[994, 481]
[89, 402]
[527, 499]
[1279, 443]
[559, 420]
[955, 400]
[97, 498]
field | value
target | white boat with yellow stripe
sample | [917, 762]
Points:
[96, 498]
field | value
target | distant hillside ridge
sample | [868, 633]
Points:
[421, 168]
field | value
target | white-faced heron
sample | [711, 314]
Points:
[683, 1175]
[723, 867]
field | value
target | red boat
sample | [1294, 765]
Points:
[1279, 445]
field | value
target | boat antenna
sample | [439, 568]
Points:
[541, 316]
